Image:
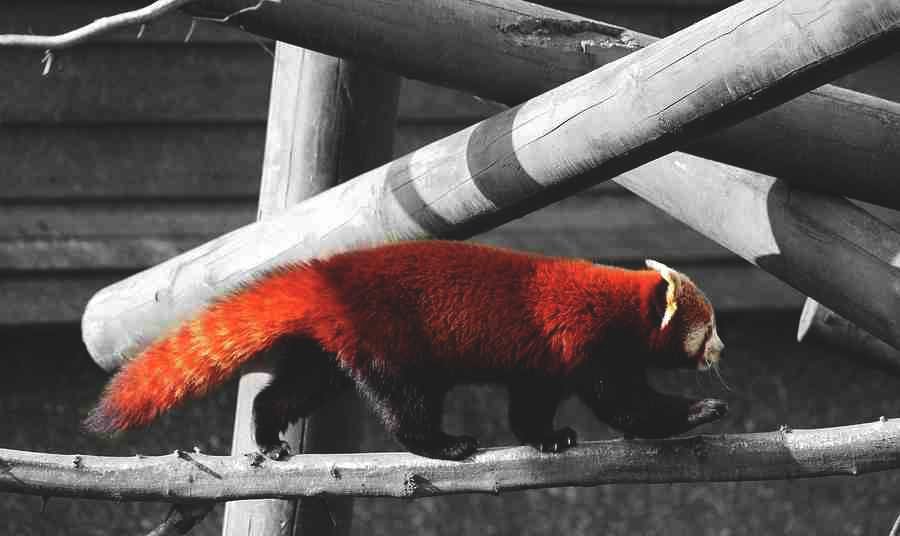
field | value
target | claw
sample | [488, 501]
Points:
[557, 441]
[281, 451]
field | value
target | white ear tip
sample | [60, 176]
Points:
[656, 265]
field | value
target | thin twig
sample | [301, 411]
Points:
[227, 18]
[187, 477]
[102, 25]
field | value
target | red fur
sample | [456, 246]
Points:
[466, 306]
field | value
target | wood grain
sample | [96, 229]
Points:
[329, 119]
[552, 47]
[822, 245]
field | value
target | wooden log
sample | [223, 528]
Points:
[820, 325]
[189, 477]
[586, 131]
[822, 245]
[276, 517]
[540, 48]
[329, 120]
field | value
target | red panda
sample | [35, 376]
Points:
[407, 321]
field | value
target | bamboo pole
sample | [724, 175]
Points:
[189, 477]
[820, 325]
[329, 119]
[588, 130]
[830, 139]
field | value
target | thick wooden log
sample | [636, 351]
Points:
[275, 517]
[822, 245]
[838, 141]
[588, 130]
[329, 119]
[191, 477]
[820, 325]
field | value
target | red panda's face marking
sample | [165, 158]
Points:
[688, 323]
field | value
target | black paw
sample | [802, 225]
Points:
[556, 441]
[446, 447]
[278, 451]
[707, 410]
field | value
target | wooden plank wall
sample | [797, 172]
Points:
[132, 151]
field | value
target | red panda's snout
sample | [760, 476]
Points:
[712, 351]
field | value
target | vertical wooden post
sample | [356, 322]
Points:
[329, 120]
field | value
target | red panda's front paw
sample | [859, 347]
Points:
[557, 441]
[442, 446]
[279, 451]
[707, 410]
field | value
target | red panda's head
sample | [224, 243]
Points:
[685, 324]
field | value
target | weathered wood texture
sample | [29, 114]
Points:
[586, 131]
[820, 244]
[541, 48]
[186, 477]
[820, 325]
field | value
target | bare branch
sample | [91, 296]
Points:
[99, 26]
[192, 477]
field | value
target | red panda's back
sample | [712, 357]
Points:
[452, 302]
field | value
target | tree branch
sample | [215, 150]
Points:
[99, 26]
[188, 477]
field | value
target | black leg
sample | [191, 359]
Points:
[411, 408]
[627, 402]
[304, 379]
[532, 405]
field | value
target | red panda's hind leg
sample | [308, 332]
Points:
[532, 406]
[305, 378]
[411, 405]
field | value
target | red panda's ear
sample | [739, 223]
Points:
[672, 281]
[658, 302]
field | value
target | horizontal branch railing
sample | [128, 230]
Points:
[186, 477]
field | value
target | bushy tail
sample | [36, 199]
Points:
[204, 351]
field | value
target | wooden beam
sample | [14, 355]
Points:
[540, 48]
[329, 119]
[822, 245]
[820, 325]
[589, 130]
